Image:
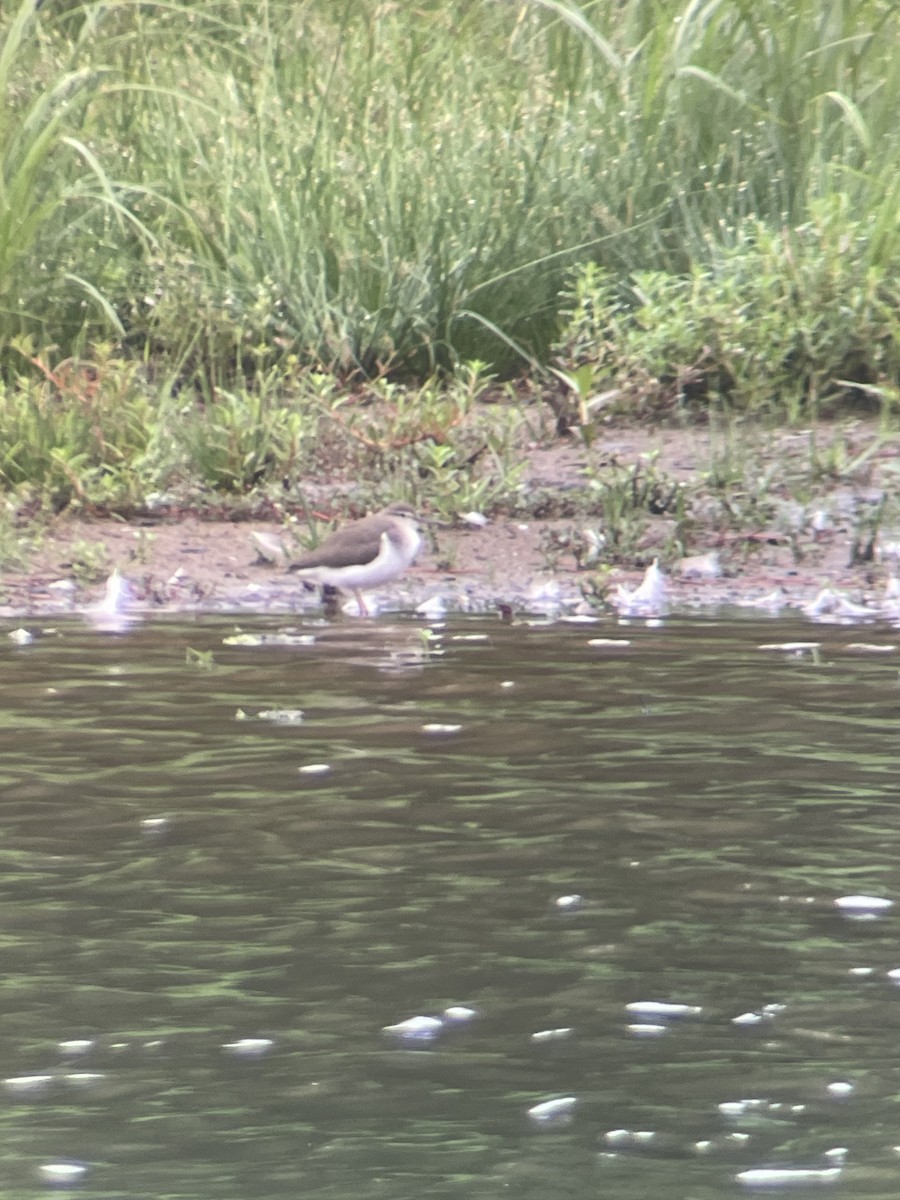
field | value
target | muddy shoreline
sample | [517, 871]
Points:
[784, 559]
[194, 566]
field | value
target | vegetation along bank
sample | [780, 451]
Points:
[287, 260]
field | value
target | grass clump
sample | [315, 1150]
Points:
[74, 433]
[783, 324]
[68, 231]
[373, 187]
[243, 200]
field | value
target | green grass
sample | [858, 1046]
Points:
[236, 194]
[785, 324]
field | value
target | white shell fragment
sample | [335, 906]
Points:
[701, 566]
[840, 1088]
[647, 1029]
[62, 587]
[649, 598]
[269, 548]
[155, 501]
[479, 520]
[437, 729]
[553, 1112]
[594, 545]
[114, 613]
[543, 590]
[569, 903]
[610, 643]
[21, 637]
[314, 769]
[829, 603]
[434, 608]
[772, 601]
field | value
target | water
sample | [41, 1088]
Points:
[587, 827]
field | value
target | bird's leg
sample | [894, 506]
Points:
[363, 611]
[330, 599]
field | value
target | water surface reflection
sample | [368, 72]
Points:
[203, 941]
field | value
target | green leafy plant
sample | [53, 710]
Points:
[17, 539]
[75, 432]
[90, 561]
[866, 530]
[199, 660]
[236, 439]
[431, 217]
[627, 496]
[778, 323]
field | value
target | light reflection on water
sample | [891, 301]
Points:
[666, 821]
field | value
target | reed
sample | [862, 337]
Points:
[374, 186]
[218, 219]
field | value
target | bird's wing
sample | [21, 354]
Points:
[357, 543]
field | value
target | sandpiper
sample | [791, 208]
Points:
[364, 553]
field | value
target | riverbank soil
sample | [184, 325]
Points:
[769, 519]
